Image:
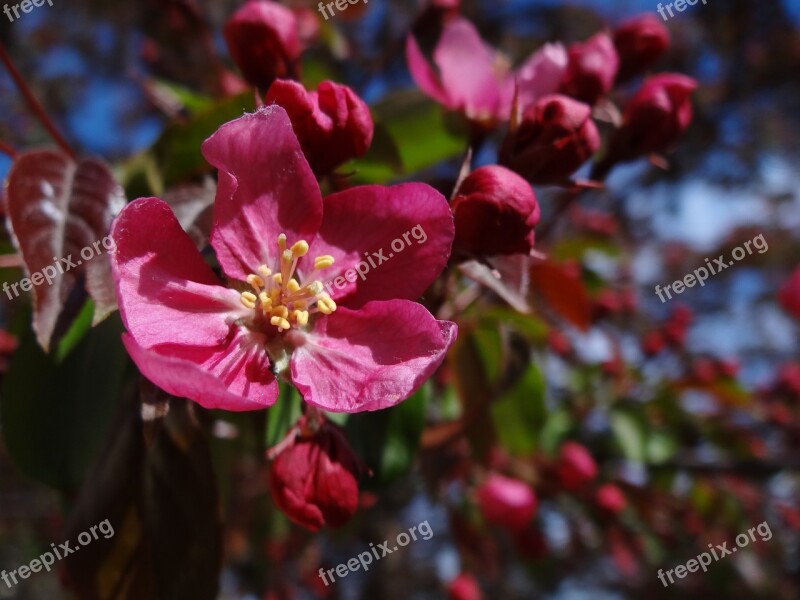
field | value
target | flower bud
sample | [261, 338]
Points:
[495, 212]
[789, 296]
[314, 480]
[464, 587]
[591, 70]
[655, 118]
[640, 42]
[333, 124]
[610, 498]
[554, 138]
[263, 41]
[575, 467]
[506, 502]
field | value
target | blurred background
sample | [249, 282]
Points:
[721, 459]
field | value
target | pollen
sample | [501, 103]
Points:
[279, 297]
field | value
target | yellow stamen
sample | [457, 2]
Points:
[255, 282]
[280, 297]
[248, 299]
[300, 249]
[281, 324]
[323, 262]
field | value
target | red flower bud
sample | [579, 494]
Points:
[591, 70]
[704, 371]
[788, 379]
[464, 587]
[495, 213]
[263, 41]
[559, 343]
[789, 296]
[314, 480]
[506, 502]
[640, 42]
[610, 498]
[554, 138]
[576, 467]
[655, 118]
[653, 343]
[333, 124]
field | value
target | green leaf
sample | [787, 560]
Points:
[283, 415]
[556, 426]
[631, 435]
[54, 417]
[420, 133]
[660, 447]
[77, 331]
[388, 440]
[177, 151]
[529, 326]
[520, 413]
[187, 98]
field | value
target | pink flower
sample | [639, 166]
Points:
[576, 467]
[333, 124]
[789, 295]
[314, 481]
[221, 346]
[495, 213]
[506, 502]
[464, 587]
[263, 40]
[640, 42]
[592, 69]
[554, 138]
[471, 78]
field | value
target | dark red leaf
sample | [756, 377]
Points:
[56, 208]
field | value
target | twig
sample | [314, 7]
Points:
[33, 103]
[6, 149]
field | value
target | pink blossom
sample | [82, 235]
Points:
[506, 502]
[472, 78]
[222, 345]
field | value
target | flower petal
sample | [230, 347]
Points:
[266, 188]
[424, 76]
[541, 74]
[372, 358]
[469, 70]
[249, 388]
[394, 240]
[167, 293]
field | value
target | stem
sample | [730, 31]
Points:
[33, 103]
[6, 149]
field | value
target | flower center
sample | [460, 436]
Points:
[279, 297]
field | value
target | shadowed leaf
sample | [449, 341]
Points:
[56, 208]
